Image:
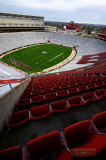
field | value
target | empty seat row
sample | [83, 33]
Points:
[77, 140]
[46, 110]
[91, 96]
[18, 118]
[80, 87]
[81, 142]
[62, 81]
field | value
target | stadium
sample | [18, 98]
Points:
[52, 92]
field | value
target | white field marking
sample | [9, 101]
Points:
[92, 59]
[44, 52]
[55, 57]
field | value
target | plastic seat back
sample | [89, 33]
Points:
[100, 120]
[88, 96]
[99, 84]
[77, 132]
[100, 92]
[37, 98]
[40, 110]
[74, 100]
[24, 101]
[62, 92]
[12, 153]
[59, 105]
[19, 116]
[73, 90]
[44, 145]
[50, 95]
[91, 85]
[82, 88]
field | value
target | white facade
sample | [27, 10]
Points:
[50, 29]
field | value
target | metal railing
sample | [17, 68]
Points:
[9, 86]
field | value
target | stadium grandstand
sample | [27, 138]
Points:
[102, 35]
[59, 114]
[16, 22]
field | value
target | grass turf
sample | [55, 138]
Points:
[38, 57]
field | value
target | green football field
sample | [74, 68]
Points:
[37, 58]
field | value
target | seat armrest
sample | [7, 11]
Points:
[93, 128]
[50, 108]
[64, 143]
[24, 155]
[29, 115]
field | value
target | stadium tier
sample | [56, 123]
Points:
[102, 35]
[16, 22]
[59, 115]
[63, 113]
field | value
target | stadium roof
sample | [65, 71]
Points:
[19, 15]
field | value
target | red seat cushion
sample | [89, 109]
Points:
[94, 145]
[64, 155]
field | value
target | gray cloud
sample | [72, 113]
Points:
[91, 11]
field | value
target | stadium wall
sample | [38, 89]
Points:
[7, 102]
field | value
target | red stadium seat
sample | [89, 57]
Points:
[78, 83]
[64, 86]
[46, 90]
[38, 99]
[99, 84]
[81, 142]
[59, 106]
[26, 95]
[99, 120]
[91, 85]
[48, 146]
[55, 88]
[82, 88]
[40, 112]
[72, 84]
[50, 96]
[22, 103]
[36, 92]
[12, 153]
[86, 81]
[76, 101]
[62, 93]
[72, 91]
[18, 118]
[89, 97]
[101, 93]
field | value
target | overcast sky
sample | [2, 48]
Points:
[87, 11]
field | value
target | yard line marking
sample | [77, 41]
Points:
[56, 57]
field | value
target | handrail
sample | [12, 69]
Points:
[20, 80]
